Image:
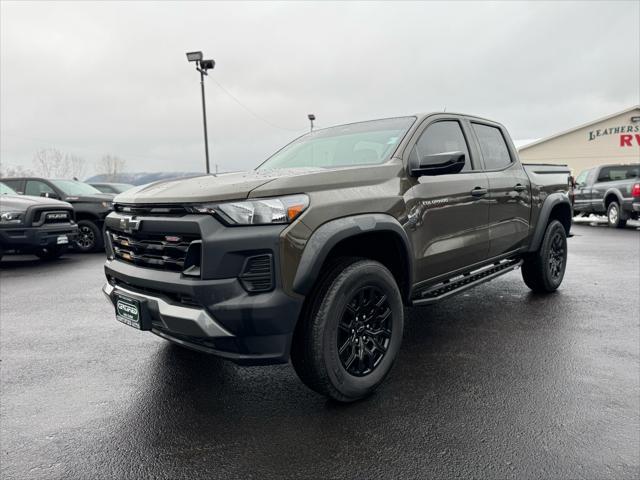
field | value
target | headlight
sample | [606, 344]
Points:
[11, 217]
[107, 204]
[259, 211]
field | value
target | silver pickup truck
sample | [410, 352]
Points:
[610, 189]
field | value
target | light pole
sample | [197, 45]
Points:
[202, 66]
[311, 118]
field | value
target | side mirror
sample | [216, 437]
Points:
[439, 164]
[50, 195]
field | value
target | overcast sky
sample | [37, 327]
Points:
[108, 77]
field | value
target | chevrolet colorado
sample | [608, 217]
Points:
[41, 226]
[313, 255]
[613, 190]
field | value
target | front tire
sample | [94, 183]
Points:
[350, 331]
[544, 270]
[89, 237]
[614, 216]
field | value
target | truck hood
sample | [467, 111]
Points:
[206, 188]
[96, 198]
[236, 186]
[20, 203]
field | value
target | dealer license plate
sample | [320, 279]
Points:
[128, 311]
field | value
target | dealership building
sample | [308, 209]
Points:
[612, 139]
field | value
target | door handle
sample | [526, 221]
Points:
[479, 192]
[519, 188]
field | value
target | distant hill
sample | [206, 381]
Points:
[140, 178]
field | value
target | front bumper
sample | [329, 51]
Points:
[33, 238]
[215, 312]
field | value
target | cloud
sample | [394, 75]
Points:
[107, 77]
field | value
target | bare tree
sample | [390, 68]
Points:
[49, 163]
[77, 165]
[53, 163]
[14, 171]
[111, 166]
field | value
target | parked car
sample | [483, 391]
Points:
[42, 226]
[91, 206]
[613, 190]
[114, 188]
[313, 255]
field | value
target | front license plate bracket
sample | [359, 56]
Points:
[132, 312]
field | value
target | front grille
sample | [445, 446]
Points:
[52, 216]
[152, 250]
[152, 210]
[56, 217]
[257, 273]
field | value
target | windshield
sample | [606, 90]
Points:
[73, 187]
[6, 190]
[364, 143]
[121, 187]
[112, 187]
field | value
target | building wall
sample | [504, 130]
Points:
[615, 140]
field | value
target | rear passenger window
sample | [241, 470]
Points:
[493, 147]
[442, 137]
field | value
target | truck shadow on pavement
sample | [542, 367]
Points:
[457, 357]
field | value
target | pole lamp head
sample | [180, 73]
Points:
[207, 64]
[311, 117]
[194, 56]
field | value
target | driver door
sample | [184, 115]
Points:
[448, 213]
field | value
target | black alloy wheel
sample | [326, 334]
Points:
[364, 331]
[557, 256]
[89, 237]
[86, 238]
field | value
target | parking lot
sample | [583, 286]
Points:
[496, 383]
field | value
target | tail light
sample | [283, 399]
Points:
[635, 191]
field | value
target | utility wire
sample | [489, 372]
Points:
[259, 117]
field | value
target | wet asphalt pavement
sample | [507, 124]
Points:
[495, 383]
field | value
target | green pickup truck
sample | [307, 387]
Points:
[312, 256]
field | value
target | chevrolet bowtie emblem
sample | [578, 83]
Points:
[129, 224]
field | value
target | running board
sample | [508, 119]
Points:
[463, 282]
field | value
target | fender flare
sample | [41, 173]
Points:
[615, 192]
[549, 204]
[329, 234]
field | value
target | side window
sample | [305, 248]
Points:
[493, 147]
[612, 174]
[15, 184]
[36, 188]
[441, 137]
[603, 176]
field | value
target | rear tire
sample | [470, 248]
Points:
[350, 331]
[543, 271]
[614, 216]
[51, 253]
[89, 237]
